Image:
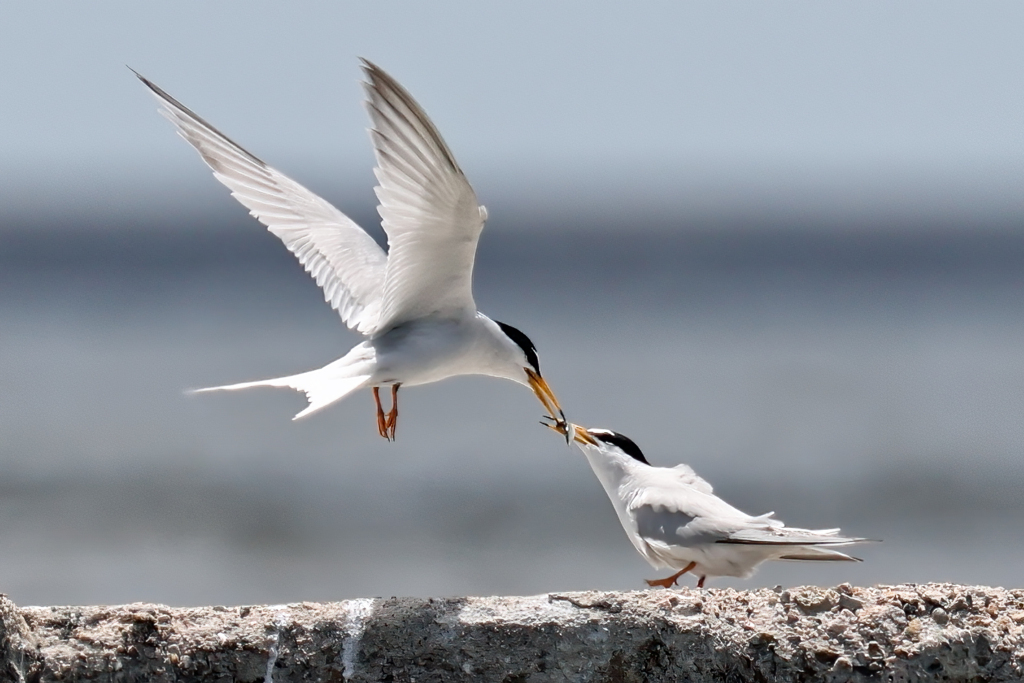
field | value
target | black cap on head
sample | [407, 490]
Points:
[623, 443]
[523, 342]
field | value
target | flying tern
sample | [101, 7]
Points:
[414, 304]
[674, 519]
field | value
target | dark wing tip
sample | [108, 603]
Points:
[149, 84]
[378, 78]
[369, 67]
[796, 541]
[171, 103]
[398, 98]
[158, 90]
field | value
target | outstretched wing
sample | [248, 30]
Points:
[342, 258]
[428, 209]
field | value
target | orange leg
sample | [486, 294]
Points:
[700, 582]
[392, 421]
[382, 422]
[671, 581]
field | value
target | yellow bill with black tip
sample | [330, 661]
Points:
[565, 428]
[543, 391]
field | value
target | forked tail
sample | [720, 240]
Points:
[322, 387]
[818, 554]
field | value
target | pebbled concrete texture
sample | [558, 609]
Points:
[932, 632]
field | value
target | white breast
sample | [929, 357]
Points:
[432, 349]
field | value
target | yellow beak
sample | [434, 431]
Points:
[580, 434]
[562, 427]
[544, 393]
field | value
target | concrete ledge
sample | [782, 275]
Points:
[934, 632]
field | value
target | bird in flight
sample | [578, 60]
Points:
[674, 519]
[414, 304]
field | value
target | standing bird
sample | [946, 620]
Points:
[674, 520]
[413, 304]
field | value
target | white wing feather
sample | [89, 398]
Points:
[686, 516]
[690, 478]
[428, 209]
[342, 258]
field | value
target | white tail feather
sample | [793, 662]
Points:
[323, 386]
[323, 394]
[817, 554]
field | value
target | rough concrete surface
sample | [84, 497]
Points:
[934, 632]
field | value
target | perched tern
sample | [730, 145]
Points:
[413, 304]
[674, 520]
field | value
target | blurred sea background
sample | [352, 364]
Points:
[783, 243]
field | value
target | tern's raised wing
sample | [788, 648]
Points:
[341, 257]
[428, 209]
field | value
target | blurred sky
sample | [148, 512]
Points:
[879, 111]
[779, 241]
